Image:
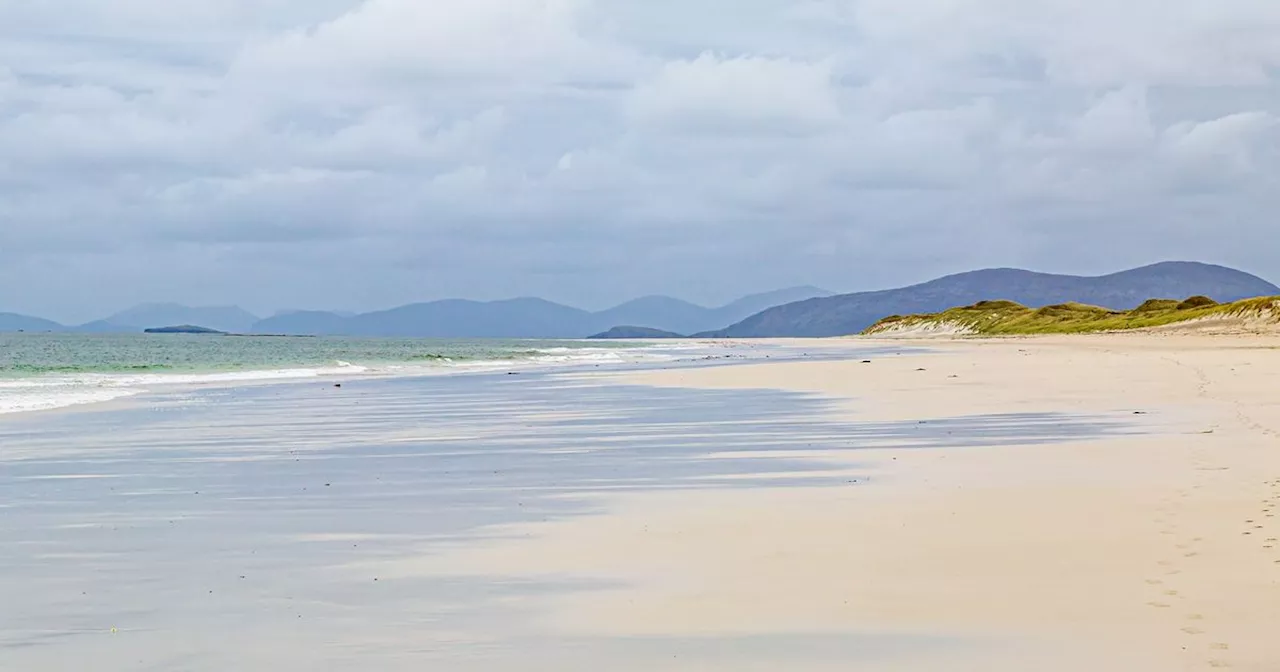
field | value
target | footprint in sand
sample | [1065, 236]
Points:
[1171, 593]
[1154, 582]
[1219, 663]
[1219, 646]
[1158, 605]
[1195, 617]
[1193, 631]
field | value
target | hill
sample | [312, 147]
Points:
[11, 322]
[302, 322]
[455, 318]
[656, 312]
[105, 327]
[750, 305]
[852, 313]
[634, 332]
[186, 329]
[1006, 318]
[136, 319]
[524, 318]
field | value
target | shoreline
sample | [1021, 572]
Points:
[1154, 549]
[1101, 503]
[202, 536]
[96, 389]
[120, 387]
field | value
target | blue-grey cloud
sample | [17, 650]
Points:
[358, 154]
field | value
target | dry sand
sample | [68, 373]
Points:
[1151, 550]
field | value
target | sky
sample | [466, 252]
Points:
[347, 154]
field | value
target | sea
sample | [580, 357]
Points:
[40, 372]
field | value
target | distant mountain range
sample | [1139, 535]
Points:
[852, 313]
[15, 322]
[800, 311]
[452, 318]
[224, 318]
[527, 317]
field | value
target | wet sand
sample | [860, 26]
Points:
[280, 527]
[1104, 503]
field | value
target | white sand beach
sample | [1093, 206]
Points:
[1150, 549]
[1084, 503]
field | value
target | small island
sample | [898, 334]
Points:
[634, 332]
[185, 329]
[1007, 318]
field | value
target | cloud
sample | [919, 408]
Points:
[480, 42]
[1118, 123]
[1227, 148]
[580, 145]
[1090, 44]
[713, 93]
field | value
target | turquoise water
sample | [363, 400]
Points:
[24, 355]
[46, 371]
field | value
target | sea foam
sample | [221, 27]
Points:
[45, 393]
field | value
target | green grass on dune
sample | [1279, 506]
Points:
[997, 318]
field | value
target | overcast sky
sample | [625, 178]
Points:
[357, 155]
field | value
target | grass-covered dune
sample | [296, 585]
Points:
[1006, 318]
